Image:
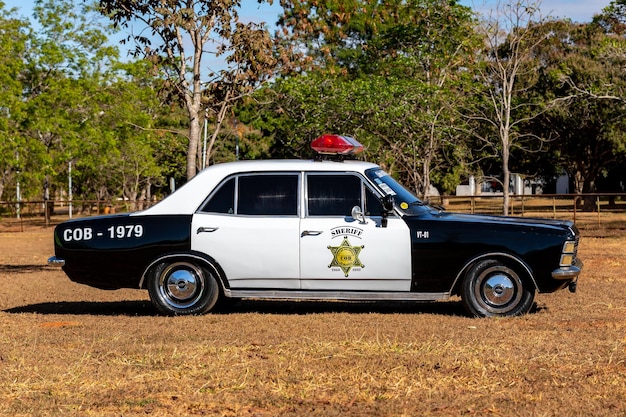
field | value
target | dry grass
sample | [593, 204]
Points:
[70, 349]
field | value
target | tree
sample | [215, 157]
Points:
[386, 72]
[146, 136]
[62, 86]
[582, 76]
[13, 46]
[613, 18]
[509, 70]
[195, 27]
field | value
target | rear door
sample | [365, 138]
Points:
[250, 226]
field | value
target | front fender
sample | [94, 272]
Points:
[511, 260]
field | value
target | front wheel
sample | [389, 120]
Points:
[182, 288]
[492, 289]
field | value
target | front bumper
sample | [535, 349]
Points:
[568, 272]
[54, 261]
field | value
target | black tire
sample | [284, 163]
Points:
[182, 288]
[493, 289]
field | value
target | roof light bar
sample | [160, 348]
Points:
[336, 145]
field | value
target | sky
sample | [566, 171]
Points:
[576, 10]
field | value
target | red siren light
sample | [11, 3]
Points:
[336, 145]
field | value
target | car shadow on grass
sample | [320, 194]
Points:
[24, 269]
[448, 308]
[92, 308]
[145, 308]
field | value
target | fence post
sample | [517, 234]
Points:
[598, 205]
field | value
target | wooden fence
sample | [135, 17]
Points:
[609, 209]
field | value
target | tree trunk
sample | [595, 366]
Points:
[194, 142]
[506, 178]
[585, 185]
[3, 181]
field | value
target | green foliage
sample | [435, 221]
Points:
[390, 74]
[403, 77]
[13, 47]
[370, 36]
[182, 33]
[583, 83]
[68, 100]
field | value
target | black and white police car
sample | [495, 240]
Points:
[316, 229]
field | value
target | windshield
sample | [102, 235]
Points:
[404, 199]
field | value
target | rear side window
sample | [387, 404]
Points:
[261, 195]
[268, 195]
[223, 200]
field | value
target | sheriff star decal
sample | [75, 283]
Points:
[346, 256]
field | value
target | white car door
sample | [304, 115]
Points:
[340, 253]
[250, 227]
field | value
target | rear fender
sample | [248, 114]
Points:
[201, 258]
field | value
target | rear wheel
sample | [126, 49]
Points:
[492, 289]
[182, 288]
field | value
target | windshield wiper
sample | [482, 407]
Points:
[420, 203]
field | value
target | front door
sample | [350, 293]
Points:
[340, 253]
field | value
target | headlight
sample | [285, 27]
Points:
[568, 254]
[567, 260]
[569, 247]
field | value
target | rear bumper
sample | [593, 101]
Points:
[54, 261]
[568, 272]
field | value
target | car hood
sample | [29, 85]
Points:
[505, 221]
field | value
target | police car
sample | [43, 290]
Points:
[316, 229]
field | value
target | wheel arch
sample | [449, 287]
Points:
[204, 260]
[510, 260]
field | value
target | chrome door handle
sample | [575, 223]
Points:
[311, 233]
[206, 229]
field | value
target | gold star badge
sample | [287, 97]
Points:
[346, 256]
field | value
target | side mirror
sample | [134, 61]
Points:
[357, 214]
[388, 202]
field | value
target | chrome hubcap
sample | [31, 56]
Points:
[499, 289]
[181, 284]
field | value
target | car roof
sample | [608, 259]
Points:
[189, 197]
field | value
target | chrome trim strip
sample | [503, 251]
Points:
[568, 272]
[54, 261]
[337, 295]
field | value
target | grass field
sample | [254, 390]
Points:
[67, 349]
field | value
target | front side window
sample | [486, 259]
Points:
[373, 205]
[333, 195]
